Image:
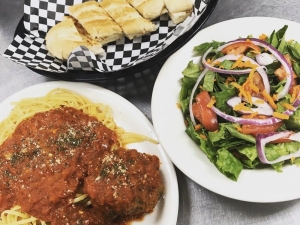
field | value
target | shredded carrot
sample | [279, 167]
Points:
[208, 61]
[288, 106]
[178, 105]
[269, 99]
[211, 102]
[281, 115]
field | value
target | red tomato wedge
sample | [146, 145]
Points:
[260, 129]
[239, 48]
[206, 116]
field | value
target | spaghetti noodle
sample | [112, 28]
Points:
[63, 97]
[15, 216]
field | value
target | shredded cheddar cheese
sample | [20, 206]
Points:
[263, 37]
[236, 85]
[293, 98]
[198, 127]
[288, 106]
[247, 64]
[237, 62]
[211, 102]
[203, 136]
[281, 116]
[252, 115]
[269, 99]
[238, 127]
[259, 101]
[254, 88]
[275, 97]
[262, 117]
[241, 106]
[255, 52]
[293, 159]
[215, 63]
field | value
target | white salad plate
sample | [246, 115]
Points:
[258, 185]
[127, 116]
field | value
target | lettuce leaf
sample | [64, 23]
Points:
[192, 70]
[228, 164]
[201, 49]
[293, 123]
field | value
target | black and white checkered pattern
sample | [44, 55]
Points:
[40, 15]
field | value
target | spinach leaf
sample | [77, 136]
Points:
[201, 49]
[293, 123]
[192, 70]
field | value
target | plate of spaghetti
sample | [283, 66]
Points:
[76, 153]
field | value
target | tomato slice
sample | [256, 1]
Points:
[295, 89]
[281, 140]
[239, 48]
[206, 116]
[260, 129]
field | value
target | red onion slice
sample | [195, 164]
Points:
[276, 54]
[265, 59]
[226, 57]
[193, 93]
[295, 137]
[259, 69]
[263, 108]
[286, 88]
[263, 139]
[264, 77]
[249, 121]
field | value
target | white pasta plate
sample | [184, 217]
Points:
[257, 185]
[127, 116]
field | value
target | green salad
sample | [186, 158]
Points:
[241, 103]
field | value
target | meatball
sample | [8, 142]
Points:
[127, 183]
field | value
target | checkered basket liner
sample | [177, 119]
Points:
[29, 48]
